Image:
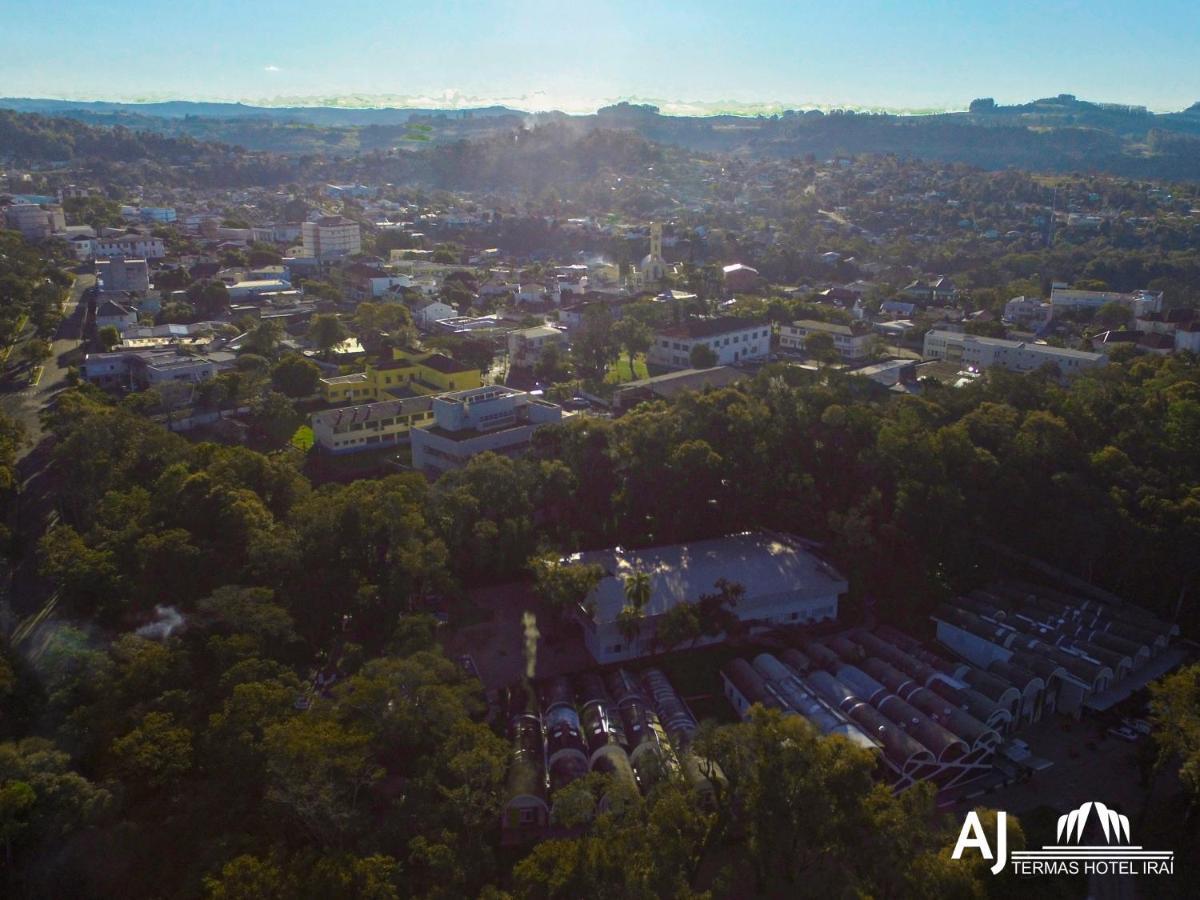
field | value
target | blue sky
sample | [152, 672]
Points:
[687, 56]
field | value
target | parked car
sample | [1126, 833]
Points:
[1141, 726]
[1125, 734]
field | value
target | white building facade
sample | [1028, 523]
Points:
[733, 340]
[975, 352]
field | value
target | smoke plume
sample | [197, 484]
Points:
[167, 620]
[529, 623]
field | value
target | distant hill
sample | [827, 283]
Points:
[180, 109]
[1053, 134]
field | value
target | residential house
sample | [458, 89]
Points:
[492, 419]
[739, 277]
[114, 314]
[427, 312]
[1028, 312]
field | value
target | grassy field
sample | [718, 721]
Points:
[618, 372]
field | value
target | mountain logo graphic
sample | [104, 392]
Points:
[1114, 825]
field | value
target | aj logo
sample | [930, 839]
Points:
[972, 836]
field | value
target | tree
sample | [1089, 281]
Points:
[594, 348]
[1112, 315]
[629, 623]
[819, 345]
[326, 332]
[551, 365]
[109, 337]
[638, 589]
[296, 376]
[702, 356]
[377, 321]
[156, 753]
[209, 298]
[263, 338]
[1175, 706]
[636, 338]
[36, 351]
[564, 586]
[275, 418]
[680, 624]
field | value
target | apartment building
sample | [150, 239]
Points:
[731, 338]
[331, 237]
[852, 345]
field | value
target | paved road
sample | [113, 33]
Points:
[24, 594]
[24, 401]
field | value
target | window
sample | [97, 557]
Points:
[615, 648]
[528, 816]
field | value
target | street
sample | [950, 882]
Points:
[23, 592]
[24, 401]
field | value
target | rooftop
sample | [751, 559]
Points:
[705, 328]
[763, 563]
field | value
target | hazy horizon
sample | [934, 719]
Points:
[762, 56]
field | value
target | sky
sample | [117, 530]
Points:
[687, 57]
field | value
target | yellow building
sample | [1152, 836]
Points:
[409, 373]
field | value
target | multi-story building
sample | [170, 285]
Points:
[331, 237]
[1138, 302]
[371, 426]
[118, 274]
[408, 373]
[732, 339]
[492, 419]
[852, 344]
[34, 222]
[980, 353]
[128, 246]
[526, 346]
[1028, 312]
[143, 368]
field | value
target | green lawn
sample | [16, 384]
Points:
[618, 372]
[303, 439]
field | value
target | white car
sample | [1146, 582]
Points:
[1141, 726]
[1125, 734]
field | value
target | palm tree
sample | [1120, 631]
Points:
[637, 589]
[629, 623]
